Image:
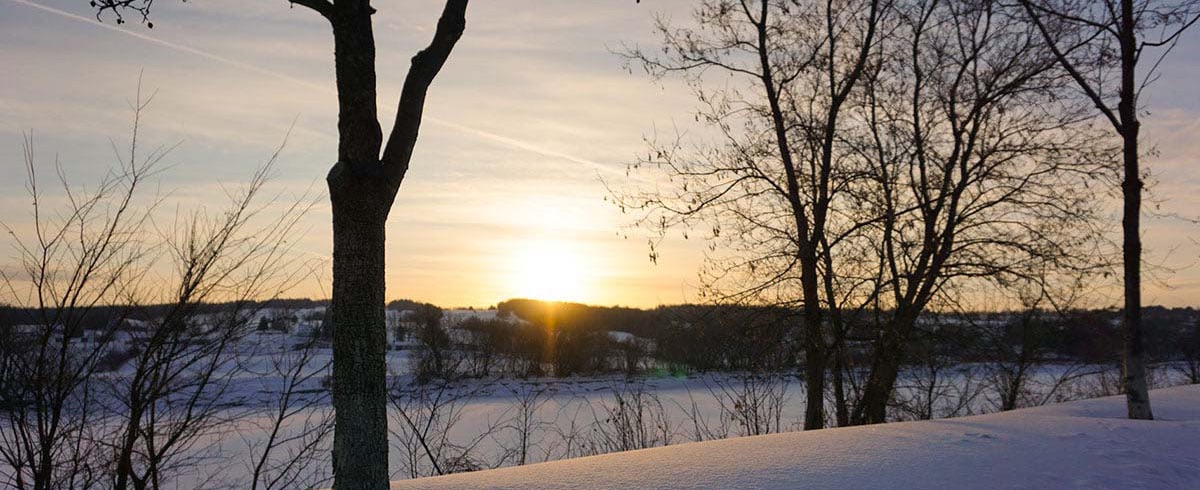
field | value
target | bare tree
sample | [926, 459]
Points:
[929, 150]
[297, 424]
[1101, 44]
[362, 187]
[979, 170]
[436, 359]
[71, 265]
[772, 190]
[110, 382]
[427, 414]
[177, 390]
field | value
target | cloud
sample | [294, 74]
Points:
[531, 110]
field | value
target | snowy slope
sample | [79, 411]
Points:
[1084, 444]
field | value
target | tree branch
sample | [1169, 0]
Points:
[1072, 70]
[425, 66]
[323, 7]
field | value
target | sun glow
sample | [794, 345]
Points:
[549, 270]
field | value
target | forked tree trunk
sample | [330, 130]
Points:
[360, 198]
[362, 187]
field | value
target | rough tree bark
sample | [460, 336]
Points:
[362, 188]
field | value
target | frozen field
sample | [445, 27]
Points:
[1084, 444]
[484, 424]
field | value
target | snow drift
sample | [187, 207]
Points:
[1083, 444]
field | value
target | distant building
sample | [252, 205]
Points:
[454, 318]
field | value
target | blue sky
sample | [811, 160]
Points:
[528, 115]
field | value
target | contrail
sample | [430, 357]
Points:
[503, 140]
[174, 46]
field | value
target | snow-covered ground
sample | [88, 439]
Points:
[494, 423]
[1082, 444]
[479, 423]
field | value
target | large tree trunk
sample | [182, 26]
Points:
[359, 332]
[360, 197]
[1137, 394]
[362, 187]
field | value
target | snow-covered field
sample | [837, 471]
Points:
[1083, 444]
[486, 424]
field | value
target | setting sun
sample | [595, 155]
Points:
[486, 246]
[548, 270]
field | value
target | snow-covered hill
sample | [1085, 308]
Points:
[1084, 444]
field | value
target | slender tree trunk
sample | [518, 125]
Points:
[45, 472]
[885, 366]
[837, 350]
[1137, 393]
[815, 363]
[125, 451]
[1136, 388]
[839, 389]
[816, 359]
[814, 345]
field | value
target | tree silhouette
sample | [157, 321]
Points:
[362, 187]
[1100, 44]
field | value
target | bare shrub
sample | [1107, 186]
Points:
[427, 413]
[754, 402]
[701, 427]
[526, 428]
[119, 374]
[634, 418]
[297, 420]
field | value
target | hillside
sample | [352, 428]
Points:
[1083, 444]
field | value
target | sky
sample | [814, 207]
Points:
[504, 197]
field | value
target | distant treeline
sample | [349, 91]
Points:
[101, 316]
[730, 337]
[701, 337]
[573, 338]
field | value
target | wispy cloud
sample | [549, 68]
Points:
[463, 128]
